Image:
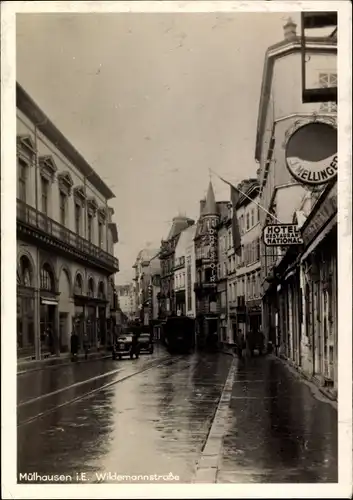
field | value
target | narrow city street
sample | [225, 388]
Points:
[202, 418]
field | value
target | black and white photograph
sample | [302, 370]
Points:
[182, 247]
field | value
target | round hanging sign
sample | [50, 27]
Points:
[311, 153]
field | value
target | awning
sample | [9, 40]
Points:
[49, 302]
[319, 238]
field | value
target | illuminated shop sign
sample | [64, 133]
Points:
[278, 235]
[311, 151]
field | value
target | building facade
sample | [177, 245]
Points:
[206, 252]
[147, 264]
[65, 240]
[299, 296]
[224, 247]
[167, 298]
[190, 298]
[183, 285]
[126, 300]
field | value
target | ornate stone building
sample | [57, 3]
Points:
[65, 240]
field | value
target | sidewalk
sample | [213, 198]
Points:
[278, 428]
[63, 359]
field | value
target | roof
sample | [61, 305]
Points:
[210, 207]
[26, 104]
[186, 238]
[178, 225]
[280, 49]
[147, 254]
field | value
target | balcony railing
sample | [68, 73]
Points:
[38, 220]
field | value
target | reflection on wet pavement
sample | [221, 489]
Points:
[277, 431]
[157, 422]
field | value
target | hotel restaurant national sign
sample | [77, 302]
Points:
[311, 150]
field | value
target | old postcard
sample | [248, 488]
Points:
[176, 205]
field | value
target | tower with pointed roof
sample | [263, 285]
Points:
[207, 268]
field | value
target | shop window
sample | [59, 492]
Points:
[47, 278]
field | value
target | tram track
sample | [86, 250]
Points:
[167, 361]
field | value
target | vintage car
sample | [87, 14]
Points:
[146, 343]
[125, 346]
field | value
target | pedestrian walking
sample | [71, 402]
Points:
[74, 345]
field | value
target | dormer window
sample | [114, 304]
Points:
[47, 167]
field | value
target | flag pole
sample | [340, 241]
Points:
[248, 197]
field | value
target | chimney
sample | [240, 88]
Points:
[290, 30]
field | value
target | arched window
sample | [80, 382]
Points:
[25, 276]
[47, 278]
[101, 290]
[78, 285]
[91, 287]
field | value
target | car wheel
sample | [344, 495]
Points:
[119, 357]
[131, 356]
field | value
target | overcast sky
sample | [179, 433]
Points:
[152, 101]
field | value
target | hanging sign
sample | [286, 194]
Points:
[279, 235]
[311, 151]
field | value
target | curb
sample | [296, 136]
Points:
[38, 365]
[207, 465]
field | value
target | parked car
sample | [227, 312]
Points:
[146, 343]
[126, 345]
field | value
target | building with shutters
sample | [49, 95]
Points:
[65, 241]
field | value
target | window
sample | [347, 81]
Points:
[91, 287]
[100, 233]
[78, 218]
[90, 227]
[22, 181]
[78, 285]
[25, 276]
[45, 195]
[46, 278]
[252, 217]
[247, 221]
[63, 204]
[101, 290]
[328, 80]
